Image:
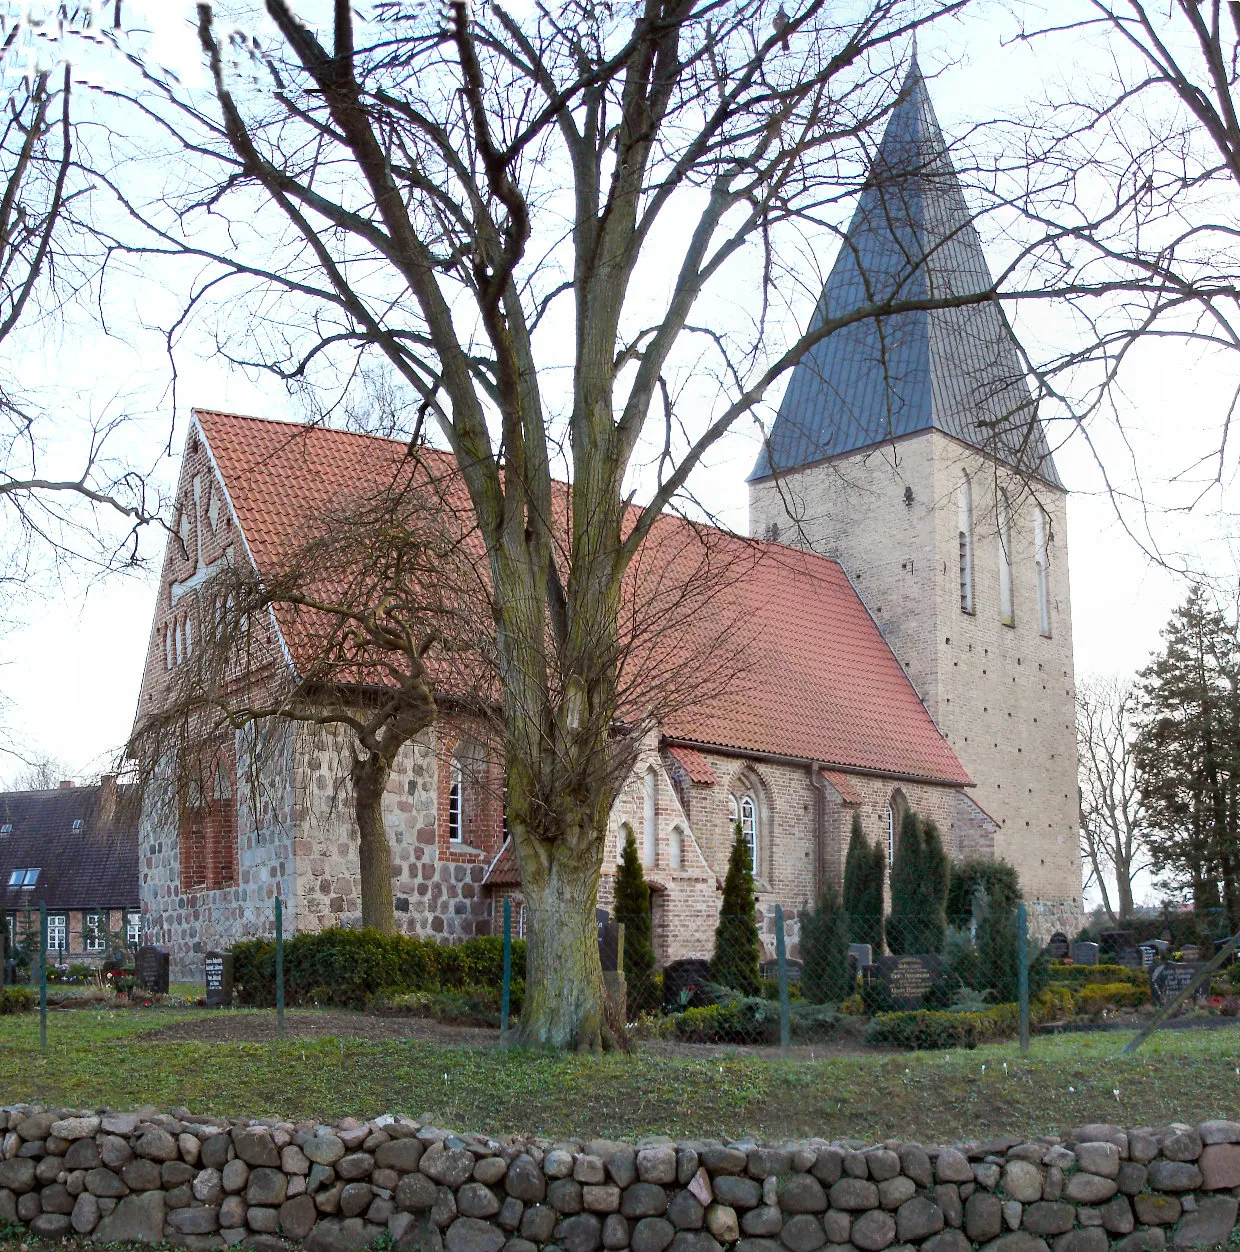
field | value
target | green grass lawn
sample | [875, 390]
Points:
[101, 1057]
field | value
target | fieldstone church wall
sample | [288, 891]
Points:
[206, 1183]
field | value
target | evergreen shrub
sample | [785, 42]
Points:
[864, 871]
[632, 907]
[737, 948]
[824, 950]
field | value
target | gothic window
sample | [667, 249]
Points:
[168, 646]
[621, 839]
[743, 808]
[1040, 560]
[456, 796]
[676, 850]
[95, 932]
[649, 830]
[896, 809]
[1006, 612]
[964, 523]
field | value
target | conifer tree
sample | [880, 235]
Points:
[863, 889]
[737, 950]
[920, 873]
[824, 949]
[632, 907]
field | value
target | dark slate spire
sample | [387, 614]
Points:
[954, 370]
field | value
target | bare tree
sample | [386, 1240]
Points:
[42, 773]
[1112, 810]
[492, 208]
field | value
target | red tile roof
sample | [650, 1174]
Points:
[817, 680]
[503, 871]
[844, 786]
[694, 764]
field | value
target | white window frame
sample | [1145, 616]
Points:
[133, 927]
[95, 932]
[456, 803]
[746, 811]
[1041, 560]
[891, 835]
[1007, 610]
[58, 932]
[964, 524]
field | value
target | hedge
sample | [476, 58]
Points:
[930, 1029]
[350, 968]
[1077, 976]
[1094, 997]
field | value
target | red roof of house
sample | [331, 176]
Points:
[811, 675]
[844, 786]
[503, 871]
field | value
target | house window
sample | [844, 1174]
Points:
[744, 809]
[133, 929]
[57, 932]
[77, 826]
[455, 797]
[964, 509]
[1006, 612]
[96, 932]
[6, 828]
[23, 878]
[1040, 559]
[649, 831]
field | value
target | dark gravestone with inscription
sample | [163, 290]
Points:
[1171, 977]
[907, 980]
[218, 970]
[1085, 953]
[150, 968]
[1057, 946]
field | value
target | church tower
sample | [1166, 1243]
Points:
[909, 447]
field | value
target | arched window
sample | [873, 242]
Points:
[456, 795]
[743, 808]
[676, 850]
[649, 844]
[621, 839]
[168, 645]
[896, 809]
[964, 523]
[1040, 560]
[1006, 612]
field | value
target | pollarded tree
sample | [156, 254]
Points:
[864, 870]
[403, 191]
[738, 952]
[632, 908]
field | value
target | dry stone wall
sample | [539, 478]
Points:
[205, 1183]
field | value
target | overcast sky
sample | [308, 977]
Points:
[71, 671]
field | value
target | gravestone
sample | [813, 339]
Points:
[150, 969]
[907, 980]
[1057, 946]
[609, 944]
[684, 984]
[1190, 952]
[1085, 953]
[1171, 977]
[1130, 958]
[1112, 942]
[859, 956]
[1149, 954]
[218, 971]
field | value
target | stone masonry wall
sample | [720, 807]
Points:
[206, 1183]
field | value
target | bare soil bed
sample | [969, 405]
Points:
[222, 1026]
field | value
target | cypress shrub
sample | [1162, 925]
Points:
[737, 950]
[997, 878]
[863, 889]
[998, 952]
[824, 950]
[632, 907]
[919, 883]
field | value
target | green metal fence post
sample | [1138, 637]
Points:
[506, 997]
[279, 968]
[42, 975]
[785, 1029]
[1022, 963]
[4, 948]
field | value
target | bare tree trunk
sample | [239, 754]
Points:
[565, 997]
[370, 775]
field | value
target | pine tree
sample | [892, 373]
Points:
[824, 949]
[863, 889]
[632, 907]
[737, 950]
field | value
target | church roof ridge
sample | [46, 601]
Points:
[958, 370]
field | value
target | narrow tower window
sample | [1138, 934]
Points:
[1006, 613]
[1040, 559]
[454, 802]
[964, 523]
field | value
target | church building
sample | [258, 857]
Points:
[908, 642]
